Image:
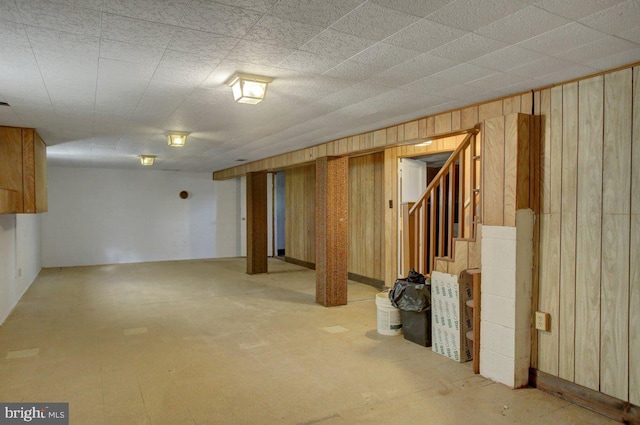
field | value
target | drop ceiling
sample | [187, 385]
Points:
[104, 80]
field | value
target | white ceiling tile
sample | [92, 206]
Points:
[353, 94]
[13, 33]
[497, 81]
[88, 4]
[384, 55]
[424, 36]
[206, 43]
[257, 5]
[183, 77]
[598, 49]
[50, 41]
[282, 32]
[523, 24]
[16, 56]
[131, 30]
[336, 44]
[617, 19]
[616, 60]
[468, 47]
[353, 70]
[470, 15]
[632, 34]
[576, 9]
[259, 53]
[427, 85]
[190, 60]
[373, 21]
[71, 68]
[463, 91]
[507, 58]
[118, 72]
[219, 18]
[163, 11]
[566, 73]
[130, 52]
[59, 17]
[9, 11]
[308, 62]
[541, 67]
[413, 69]
[463, 73]
[313, 12]
[414, 7]
[561, 39]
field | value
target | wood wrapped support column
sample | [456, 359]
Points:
[332, 233]
[257, 222]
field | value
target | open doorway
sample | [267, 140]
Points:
[414, 175]
[278, 214]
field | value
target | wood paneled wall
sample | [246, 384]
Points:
[366, 215]
[590, 233]
[300, 209]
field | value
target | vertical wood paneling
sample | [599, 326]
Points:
[390, 215]
[300, 208]
[489, 110]
[616, 207]
[411, 130]
[545, 184]
[493, 171]
[589, 232]
[365, 211]
[548, 288]
[634, 252]
[568, 231]
[510, 169]
[443, 123]
[549, 276]
[469, 117]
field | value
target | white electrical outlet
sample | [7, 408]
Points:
[543, 321]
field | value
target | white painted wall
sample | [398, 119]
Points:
[105, 216]
[19, 258]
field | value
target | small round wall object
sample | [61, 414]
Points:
[184, 194]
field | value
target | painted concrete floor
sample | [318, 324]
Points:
[200, 342]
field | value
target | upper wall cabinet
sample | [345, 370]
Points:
[23, 171]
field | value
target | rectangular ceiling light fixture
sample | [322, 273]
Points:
[177, 138]
[247, 88]
[147, 159]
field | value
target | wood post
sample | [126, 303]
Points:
[332, 233]
[257, 222]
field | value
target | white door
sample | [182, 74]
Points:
[412, 182]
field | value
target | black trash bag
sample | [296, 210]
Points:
[412, 293]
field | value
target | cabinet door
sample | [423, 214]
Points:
[34, 165]
[10, 169]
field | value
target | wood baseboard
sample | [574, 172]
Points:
[301, 263]
[603, 404]
[376, 283]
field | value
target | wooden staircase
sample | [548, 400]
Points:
[440, 229]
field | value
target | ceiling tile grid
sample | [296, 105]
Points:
[104, 80]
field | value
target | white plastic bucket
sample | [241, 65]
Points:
[389, 322]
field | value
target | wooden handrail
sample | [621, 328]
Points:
[445, 168]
